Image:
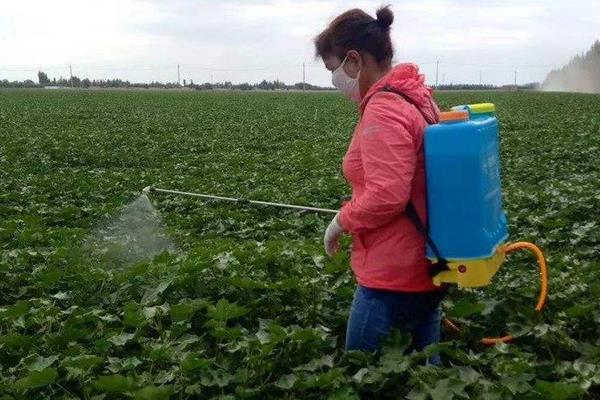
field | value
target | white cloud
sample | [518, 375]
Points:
[145, 39]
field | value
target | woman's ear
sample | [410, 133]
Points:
[354, 56]
[353, 64]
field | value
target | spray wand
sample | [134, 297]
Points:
[148, 189]
[506, 248]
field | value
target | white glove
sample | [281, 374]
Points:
[332, 236]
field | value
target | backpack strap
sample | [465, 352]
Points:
[441, 264]
[408, 100]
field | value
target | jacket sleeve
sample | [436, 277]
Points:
[389, 157]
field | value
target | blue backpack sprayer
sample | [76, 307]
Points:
[462, 156]
[467, 235]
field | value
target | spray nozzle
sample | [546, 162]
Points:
[147, 190]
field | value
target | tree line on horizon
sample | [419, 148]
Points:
[581, 74]
[76, 82]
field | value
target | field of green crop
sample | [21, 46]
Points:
[249, 307]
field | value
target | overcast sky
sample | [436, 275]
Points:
[248, 40]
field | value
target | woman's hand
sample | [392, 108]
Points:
[332, 236]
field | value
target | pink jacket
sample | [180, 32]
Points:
[385, 167]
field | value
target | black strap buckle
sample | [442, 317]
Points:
[440, 265]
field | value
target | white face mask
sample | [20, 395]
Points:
[346, 84]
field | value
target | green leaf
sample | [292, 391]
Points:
[359, 375]
[154, 393]
[115, 384]
[227, 333]
[41, 363]
[517, 384]
[80, 365]
[580, 310]
[217, 378]
[15, 311]
[121, 339]
[417, 393]
[307, 334]
[448, 388]
[224, 310]
[83, 361]
[344, 394]
[317, 363]
[37, 379]
[286, 382]
[331, 378]
[61, 296]
[122, 364]
[151, 295]
[185, 310]
[394, 361]
[465, 308]
[558, 390]
[17, 341]
[192, 362]
[133, 315]
[468, 375]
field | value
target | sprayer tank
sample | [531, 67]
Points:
[464, 197]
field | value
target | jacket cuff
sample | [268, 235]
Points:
[342, 219]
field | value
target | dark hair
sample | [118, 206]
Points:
[355, 29]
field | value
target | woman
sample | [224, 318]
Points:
[384, 165]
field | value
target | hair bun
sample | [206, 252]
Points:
[385, 17]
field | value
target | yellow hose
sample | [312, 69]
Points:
[543, 289]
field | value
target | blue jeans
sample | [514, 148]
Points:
[375, 312]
